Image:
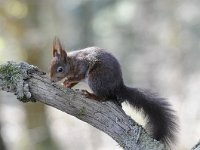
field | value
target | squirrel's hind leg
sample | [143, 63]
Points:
[98, 98]
[92, 96]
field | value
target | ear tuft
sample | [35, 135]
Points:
[56, 47]
[58, 50]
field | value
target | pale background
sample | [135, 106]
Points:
[156, 41]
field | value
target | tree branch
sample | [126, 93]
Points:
[30, 84]
[197, 146]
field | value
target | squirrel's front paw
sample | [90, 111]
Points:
[67, 84]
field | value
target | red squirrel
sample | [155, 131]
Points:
[103, 74]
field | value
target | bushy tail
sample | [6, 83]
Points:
[161, 120]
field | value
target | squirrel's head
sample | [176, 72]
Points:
[59, 67]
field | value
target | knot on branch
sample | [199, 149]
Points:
[13, 77]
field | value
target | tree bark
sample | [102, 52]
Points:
[30, 84]
[197, 146]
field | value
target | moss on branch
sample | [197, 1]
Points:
[13, 78]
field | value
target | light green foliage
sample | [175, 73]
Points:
[12, 78]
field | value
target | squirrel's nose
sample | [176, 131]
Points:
[52, 80]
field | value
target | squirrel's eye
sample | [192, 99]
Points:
[60, 69]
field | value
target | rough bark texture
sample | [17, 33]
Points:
[30, 84]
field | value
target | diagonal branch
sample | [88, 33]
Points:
[197, 146]
[30, 84]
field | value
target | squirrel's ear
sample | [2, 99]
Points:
[55, 53]
[56, 46]
[58, 50]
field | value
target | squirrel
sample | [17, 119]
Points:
[103, 74]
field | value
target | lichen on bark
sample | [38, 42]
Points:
[13, 77]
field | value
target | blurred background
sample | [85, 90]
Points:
[157, 43]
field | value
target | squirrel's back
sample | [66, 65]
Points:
[98, 57]
[105, 76]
